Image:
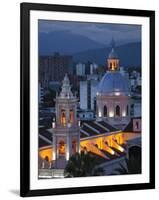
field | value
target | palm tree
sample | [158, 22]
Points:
[81, 165]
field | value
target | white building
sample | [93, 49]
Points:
[88, 90]
[80, 69]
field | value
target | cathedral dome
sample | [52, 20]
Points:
[114, 83]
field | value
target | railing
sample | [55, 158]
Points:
[51, 173]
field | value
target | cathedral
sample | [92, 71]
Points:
[113, 96]
[107, 136]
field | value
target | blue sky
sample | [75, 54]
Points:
[98, 32]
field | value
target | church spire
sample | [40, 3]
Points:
[66, 88]
[112, 43]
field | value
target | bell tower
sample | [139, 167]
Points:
[113, 60]
[66, 137]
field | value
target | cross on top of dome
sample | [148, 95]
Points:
[66, 88]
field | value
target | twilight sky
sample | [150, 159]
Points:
[98, 32]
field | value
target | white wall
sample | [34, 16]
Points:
[9, 100]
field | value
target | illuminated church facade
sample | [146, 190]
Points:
[107, 136]
[113, 96]
[66, 138]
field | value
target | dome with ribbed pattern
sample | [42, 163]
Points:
[114, 83]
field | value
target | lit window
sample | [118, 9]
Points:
[71, 116]
[63, 117]
[61, 147]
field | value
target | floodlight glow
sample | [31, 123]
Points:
[111, 114]
[117, 93]
[100, 114]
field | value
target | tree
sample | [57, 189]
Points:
[81, 165]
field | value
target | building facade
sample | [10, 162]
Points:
[88, 90]
[53, 68]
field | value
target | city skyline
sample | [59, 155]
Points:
[92, 114]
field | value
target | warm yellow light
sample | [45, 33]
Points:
[71, 117]
[113, 67]
[62, 148]
[112, 152]
[53, 155]
[46, 153]
[63, 118]
[120, 149]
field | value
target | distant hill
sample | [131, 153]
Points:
[129, 55]
[65, 42]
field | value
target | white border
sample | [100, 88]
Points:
[91, 181]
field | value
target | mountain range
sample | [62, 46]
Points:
[84, 49]
[65, 42]
[129, 55]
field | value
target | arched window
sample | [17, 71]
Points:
[71, 116]
[61, 147]
[117, 111]
[63, 117]
[105, 111]
[127, 110]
